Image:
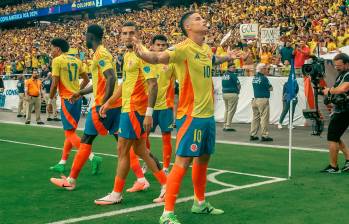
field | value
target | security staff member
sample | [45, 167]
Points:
[21, 102]
[339, 120]
[231, 89]
[46, 84]
[260, 103]
[33, 97]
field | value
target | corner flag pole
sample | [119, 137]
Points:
[290, 97]
[290, 140]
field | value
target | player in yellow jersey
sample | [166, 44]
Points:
[138, 90]
[66, 70]
[193, 60]
[162, 116]
[104, 82]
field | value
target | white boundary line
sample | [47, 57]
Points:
[148, 206]
[217, 141]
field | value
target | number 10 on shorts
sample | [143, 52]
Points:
[197, 135]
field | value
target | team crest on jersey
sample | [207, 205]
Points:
[146, 69]
[194, 147]
[197, 56]
[101, 63]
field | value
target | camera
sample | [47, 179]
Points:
[340, 100]
[315, 69]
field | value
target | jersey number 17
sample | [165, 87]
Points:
[72, 70]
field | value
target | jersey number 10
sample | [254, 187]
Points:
[72, 70]
[207, 71]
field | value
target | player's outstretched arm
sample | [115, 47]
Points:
[231, 55]
[105, 107]
[150, 56]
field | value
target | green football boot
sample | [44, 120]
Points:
[169, 219]
[205, 208]
[96, 164]
[60, 168]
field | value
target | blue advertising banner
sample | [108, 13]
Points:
[58, 9]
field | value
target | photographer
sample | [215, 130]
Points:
[339, 121]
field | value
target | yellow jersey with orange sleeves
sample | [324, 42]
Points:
[166, 82]
[101, 62]
[193, 65]
[221, 52]
[68, 69]
[134, 86]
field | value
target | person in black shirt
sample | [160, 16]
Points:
[231, 89]
[339, 120]
[21, 102]
[1, 85]
[46, 85]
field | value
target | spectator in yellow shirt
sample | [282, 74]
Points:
[265, 55]
[331, 45]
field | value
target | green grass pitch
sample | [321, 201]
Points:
[27, 196]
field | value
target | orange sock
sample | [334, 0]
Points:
[66, 149]
[167, 149]
[199, 174]
[73, 138]
[80, 159]
[174, 181]
[118, 184]
[161, 177]
[135, 165]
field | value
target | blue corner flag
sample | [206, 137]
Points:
[291, 84]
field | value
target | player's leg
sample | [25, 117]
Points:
[79, 161]
[153, 164]
[70, 117]
[166, 125]
[174, 181]
[92, 127]
[200, 164]
[186, 149]
[141, 183]
[199, 178]
[123, 167]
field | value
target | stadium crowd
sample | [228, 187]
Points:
[32, 5]
[316, 27]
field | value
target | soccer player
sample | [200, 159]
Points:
[138, 90]
[104, 82]
[193, 60]
[163, 113]
[66, 70]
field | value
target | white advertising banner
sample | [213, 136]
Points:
[9, 100]
[270, 35]
[249, 31]
[244, 109]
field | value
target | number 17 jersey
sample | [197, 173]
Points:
[68, 69]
